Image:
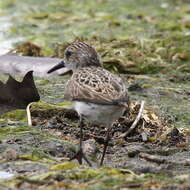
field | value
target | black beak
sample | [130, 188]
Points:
[56, 67]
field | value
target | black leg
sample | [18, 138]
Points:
[80, 155]
[105, 146]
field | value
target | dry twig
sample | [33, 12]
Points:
[135, 122]
[152, 158]
[160, 160]
[29, 118]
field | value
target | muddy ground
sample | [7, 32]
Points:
[147, 44]
[154, 155]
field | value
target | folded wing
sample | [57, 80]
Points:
[96, 85]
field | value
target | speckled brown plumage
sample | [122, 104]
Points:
[96, 85]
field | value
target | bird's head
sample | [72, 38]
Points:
[77, 55]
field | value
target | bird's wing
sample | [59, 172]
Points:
[96, 85]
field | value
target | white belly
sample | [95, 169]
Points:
[99, 114]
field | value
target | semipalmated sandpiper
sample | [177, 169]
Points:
[99, 96]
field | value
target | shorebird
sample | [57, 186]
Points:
[100, 97]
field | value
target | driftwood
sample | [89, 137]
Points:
[20, 65]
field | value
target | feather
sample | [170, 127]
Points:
[96, 85]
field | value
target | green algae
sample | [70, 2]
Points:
[5, 132]
[98, 179]
[36, 155]
[15, 115]
[44, 105]
[136, 37]
[64, 166]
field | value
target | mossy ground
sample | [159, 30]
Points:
[146, 41]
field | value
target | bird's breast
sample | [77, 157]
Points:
[97, 113]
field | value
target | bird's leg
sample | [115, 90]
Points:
[105, 145]
[80, 154]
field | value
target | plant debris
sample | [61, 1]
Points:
[147, 43]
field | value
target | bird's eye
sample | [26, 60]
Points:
[68, 54]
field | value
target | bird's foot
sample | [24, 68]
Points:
[79, 156]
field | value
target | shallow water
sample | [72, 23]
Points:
[6, 175]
